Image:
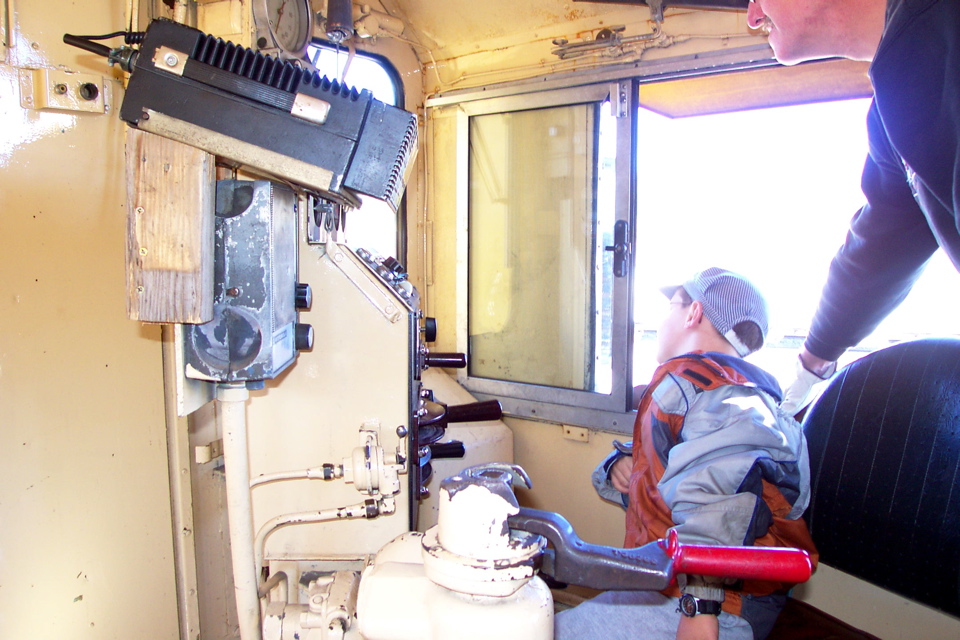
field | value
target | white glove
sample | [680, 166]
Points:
[800, 392]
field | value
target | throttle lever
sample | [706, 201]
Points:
[474, 411]
[653, 566]
[574, 561]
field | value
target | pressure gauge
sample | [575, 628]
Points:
[285, 26]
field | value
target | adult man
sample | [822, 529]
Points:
[912, 175]
[713, 458]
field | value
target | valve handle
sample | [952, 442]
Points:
[652, 566]
[747, 563]
[474, 411]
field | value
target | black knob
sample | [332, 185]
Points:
[429, 329]
[304, 299]
[452, 449]
[303, 337]
[394, 265]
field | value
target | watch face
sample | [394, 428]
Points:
[688, 605]
[289, 22]
[691, 606]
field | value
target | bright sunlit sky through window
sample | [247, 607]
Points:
[373, 226]
[768, 193]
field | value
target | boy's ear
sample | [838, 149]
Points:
[694, 314]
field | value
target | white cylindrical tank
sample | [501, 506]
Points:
[398, 602]
[467, 578]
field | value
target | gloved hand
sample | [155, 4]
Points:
[799, 393]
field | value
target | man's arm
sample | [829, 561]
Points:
[886, 249]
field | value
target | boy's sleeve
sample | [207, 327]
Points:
[733, 439]
[601, 475]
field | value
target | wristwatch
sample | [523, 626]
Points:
[691, 606]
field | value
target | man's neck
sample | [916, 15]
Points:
[864, 21]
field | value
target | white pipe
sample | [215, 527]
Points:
[313, 473]
[232, 421]
[362, 510]
[279, 579]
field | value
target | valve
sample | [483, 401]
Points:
[370, 471]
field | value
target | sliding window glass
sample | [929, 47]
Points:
[543, 214]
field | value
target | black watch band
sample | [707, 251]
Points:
[691, 606]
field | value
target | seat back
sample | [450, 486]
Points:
[884, 442]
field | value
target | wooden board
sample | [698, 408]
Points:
[171, 191]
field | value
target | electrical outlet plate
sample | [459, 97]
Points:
[63, 90]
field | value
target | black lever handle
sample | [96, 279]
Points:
[452, 449]
[474, 412]
[446, 360]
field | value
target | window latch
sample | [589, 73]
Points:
[621, 248]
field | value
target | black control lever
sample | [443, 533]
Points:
[452, 449]
[435, 413]
[474, 411]
[654, 565]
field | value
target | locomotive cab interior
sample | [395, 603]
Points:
[258, 307]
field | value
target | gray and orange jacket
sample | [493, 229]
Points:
[715, 459]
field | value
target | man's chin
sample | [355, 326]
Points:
[789, 55]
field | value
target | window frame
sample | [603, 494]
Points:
[573, 407]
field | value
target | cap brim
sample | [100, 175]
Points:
[669, 291]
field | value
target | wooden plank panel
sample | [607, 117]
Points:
[171, 190]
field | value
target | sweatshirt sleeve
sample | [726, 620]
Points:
[885, 251]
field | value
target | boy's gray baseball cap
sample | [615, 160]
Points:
[728, 299]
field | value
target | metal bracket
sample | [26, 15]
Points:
[170, 60]
[310, 109]
[206, 453]
[364, 281]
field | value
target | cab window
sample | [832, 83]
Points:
[582, 202]
[373, 225]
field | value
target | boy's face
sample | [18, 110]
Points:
[672, 329]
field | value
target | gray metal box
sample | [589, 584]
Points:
[253, 332]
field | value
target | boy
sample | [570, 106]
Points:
[714, 458]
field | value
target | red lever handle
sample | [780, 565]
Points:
[748, 563]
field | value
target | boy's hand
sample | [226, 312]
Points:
[702, 627]
[620, 474]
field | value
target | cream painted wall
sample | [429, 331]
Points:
[85, 534]
[560, 470]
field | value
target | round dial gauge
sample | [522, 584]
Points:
[286, 25]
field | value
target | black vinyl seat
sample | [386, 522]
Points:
[884, 441]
